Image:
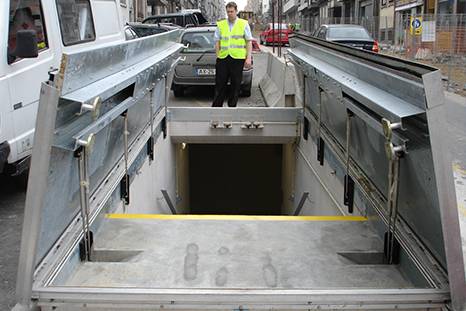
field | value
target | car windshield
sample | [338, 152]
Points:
[348, 33]
[199, 41]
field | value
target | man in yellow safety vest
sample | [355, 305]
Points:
[233, 47]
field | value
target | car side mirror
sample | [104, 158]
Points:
[26, 45]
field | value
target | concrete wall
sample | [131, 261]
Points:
[288, 178]
[145, 190]
[324, 187]
[277, 85]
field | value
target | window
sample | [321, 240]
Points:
[349, 33]
[277, 26]
[130, 34]
[190, 20]
[26, 14]
[321, 33]
[199, 42]
[461, 7]
[76, 22]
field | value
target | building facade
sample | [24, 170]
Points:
[140, 9]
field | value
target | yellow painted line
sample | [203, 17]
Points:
[459, 169]
[462, 209]
[235, 217]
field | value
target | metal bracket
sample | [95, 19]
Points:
[388, 128]
[166, 196]
[306, 128]
[348, 195]
[150, 148]
[83, 256]
[221, 125]
[87, 143]
[301, 203]
[320, 150]
[252, 125]
[393, 151]
[124, 189]
[93, 107]
[391, 244]
[164, 127]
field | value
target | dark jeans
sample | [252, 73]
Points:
[228, 69]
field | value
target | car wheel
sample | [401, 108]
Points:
[178, 91]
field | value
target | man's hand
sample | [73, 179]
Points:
[248, 62]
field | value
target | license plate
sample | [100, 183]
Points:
[206, 72]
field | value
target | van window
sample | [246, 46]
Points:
[26, 14]
[76, 21]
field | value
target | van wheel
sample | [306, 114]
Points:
[178, 91]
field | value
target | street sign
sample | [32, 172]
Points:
[415, 25]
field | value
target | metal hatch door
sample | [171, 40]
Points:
[359, 103]
[101, 109]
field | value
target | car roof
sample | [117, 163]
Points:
[198, 14]
[342, 26]
[191, 11]
[141, 25]
[182, 13]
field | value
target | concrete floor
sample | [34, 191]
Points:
[235, 254]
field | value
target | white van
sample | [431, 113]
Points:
[33, 36]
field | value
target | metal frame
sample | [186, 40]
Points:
[234, 125]
[51, 265]
[436, 116]
[42, 292]
[54, 109]
[142, 298]
[36, 192]
[418, 252]
[312, 57]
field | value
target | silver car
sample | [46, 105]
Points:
[198, 67]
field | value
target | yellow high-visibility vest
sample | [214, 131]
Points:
[232, 42]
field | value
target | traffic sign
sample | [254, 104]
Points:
[415, 24]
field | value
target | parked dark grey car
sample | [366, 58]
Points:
[354, 35]
[138, 30]
[198, 67]
[184, 18]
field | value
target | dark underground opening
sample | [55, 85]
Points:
[235, 179]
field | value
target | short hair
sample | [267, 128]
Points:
[232, 4]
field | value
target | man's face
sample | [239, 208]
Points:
[231, 12]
